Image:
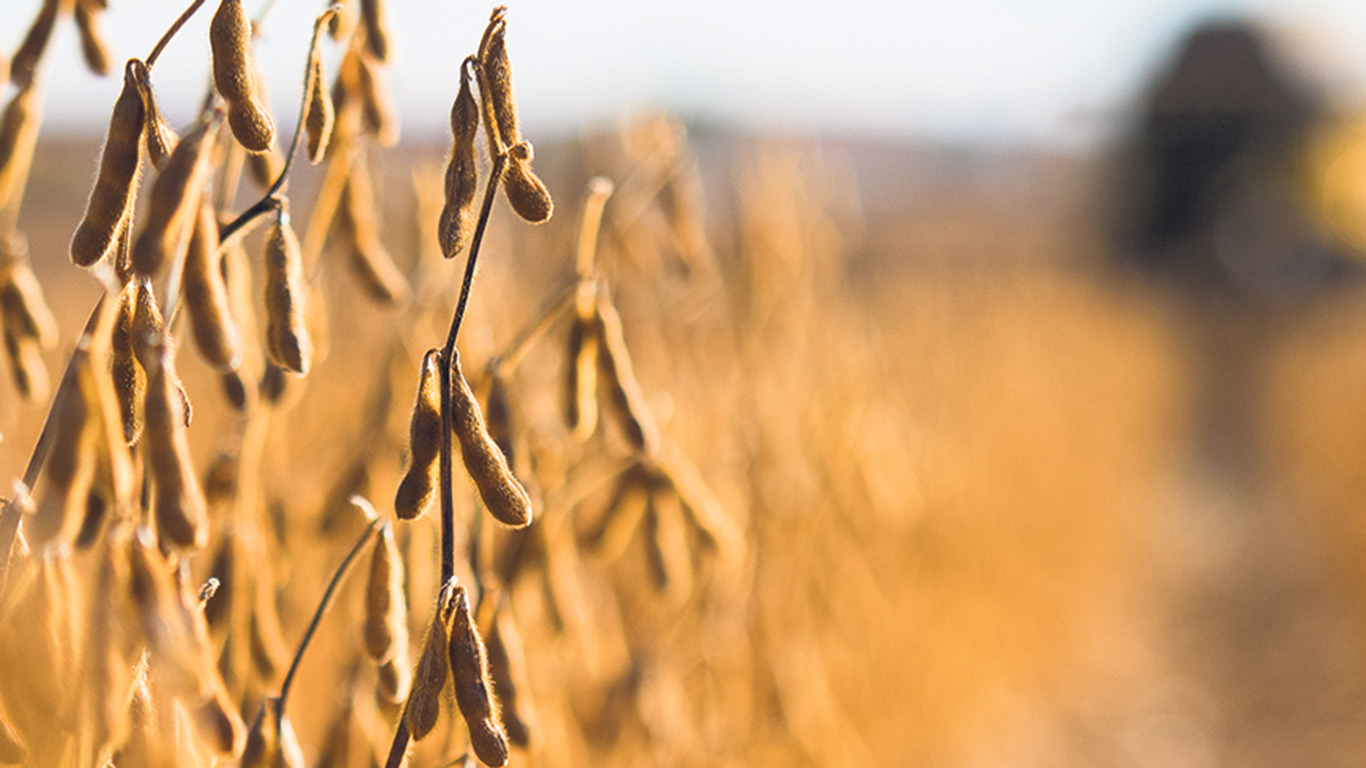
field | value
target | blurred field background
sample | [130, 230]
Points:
[1007, 499]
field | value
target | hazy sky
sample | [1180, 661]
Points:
[1000, 70]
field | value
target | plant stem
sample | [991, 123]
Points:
[326, 602]
[170, 33]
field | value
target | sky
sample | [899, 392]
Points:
[994, 71]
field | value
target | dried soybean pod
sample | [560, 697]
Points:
[271, 742]
[26, 366]
[395, 677]
[614, 364]
[18, 135]
[469, 669]
[130, 382]
[525, 192]
[493, 58]
[92, 39]
[206, 296]
[507, 670]
[181, 512]
[234, 75]
[110, 207]
[70, 466]
[376, 28]
[666, 545]
[318, 122]
[31, 50]
[581, 378]
[175, 201]
[462, 172]
[340, 23]
[418, 487]
[21, 296]
[287, 341]
[500, 491]
[369, 259]
[386, 622]
[379, 113]
[161, 138]
[423, 707]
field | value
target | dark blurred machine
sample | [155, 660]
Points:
[1209, 188]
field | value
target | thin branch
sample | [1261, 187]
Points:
[170, 33]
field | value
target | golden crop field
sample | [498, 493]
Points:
[720, 456]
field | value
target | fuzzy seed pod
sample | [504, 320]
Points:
[379, 113]
[240, 392]
[206, 296]
[507, 670]
[234, 75]
[462, 172]
[175, 201]
[35, 42]
[161, 138]
[418, 487]
[181, 512]
[525, 192]
[287, 340]
[498, 79]
[386, 623]
[271, 742]
[370, 260]
[627, 399]
[92, 39]
[469, 669]
[318, 122]
[18, 136]
[500, 491]
[110, 207]
[70, 466]
[130, 382]
[21, 296]
[581, 379]
[424, 700]
[376, 28]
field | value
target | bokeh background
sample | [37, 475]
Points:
[1026, 342]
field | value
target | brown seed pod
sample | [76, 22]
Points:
[181, 512]
[110, 207]
[376, 28]
[370, 260]
[92, 39]
[386, 622]
[271, 742]
[26, 366]
[379, 112]
[581, 379]
[507, 670]
[318, 122]
[287, 340]
[525, 192]
[70, 466]
[627, 399]
[21, 296]
[499, 489]
[175, 201]
[418, 487]
[424, 700]
[462, 172]
[342, 21]
[206, 296]
[130, 382]
[395, 678]
[35, 42]
[666, 545]
[493, 59]
[469, 670]
[234, 75]
[239, 391]
[18, 136]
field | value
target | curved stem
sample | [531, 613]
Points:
[170, 33]
[326, 602]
